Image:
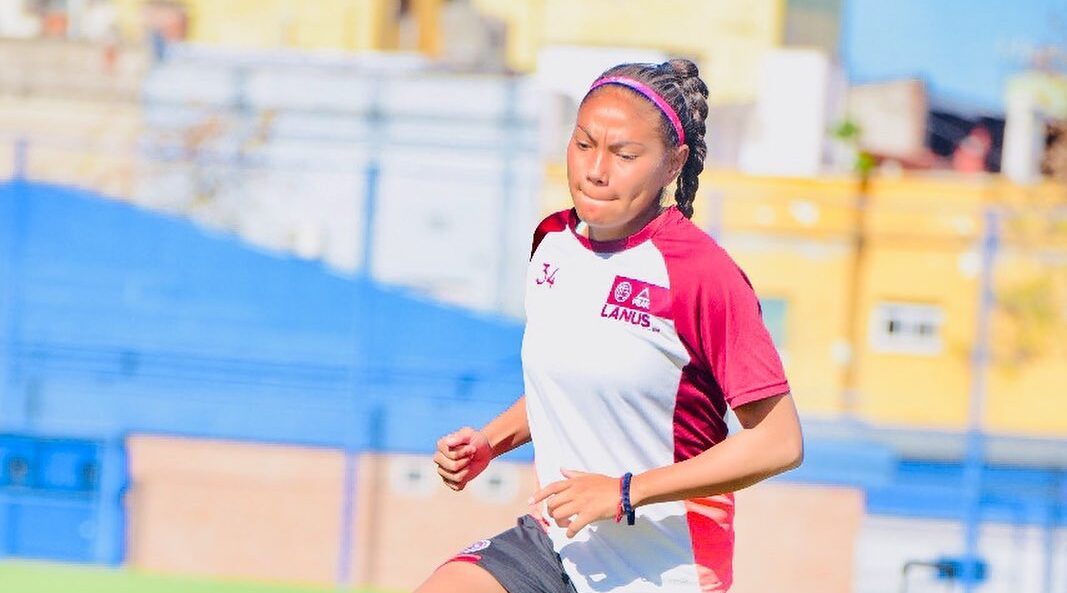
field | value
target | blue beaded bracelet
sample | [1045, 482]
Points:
[627, 508]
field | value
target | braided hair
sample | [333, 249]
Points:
[678, 82]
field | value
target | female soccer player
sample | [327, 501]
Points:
[640, 332]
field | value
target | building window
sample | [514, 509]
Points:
[907, 328]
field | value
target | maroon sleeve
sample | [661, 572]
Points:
[718, 317]
[552, 223]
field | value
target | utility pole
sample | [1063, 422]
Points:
[854, 325]
[975, 455]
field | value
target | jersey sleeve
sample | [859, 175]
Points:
[553, 223]
[731, 339]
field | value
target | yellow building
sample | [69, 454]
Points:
[917, 285]
[726, 38]
[350, 25]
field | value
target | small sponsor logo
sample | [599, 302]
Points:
[477, 546]
[643, 300]
[623, 290]
[546, 276]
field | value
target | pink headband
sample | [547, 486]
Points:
[651, 95]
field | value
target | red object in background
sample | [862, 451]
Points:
[111, 56]
[168, 20]
[55, 24]
[970, 155]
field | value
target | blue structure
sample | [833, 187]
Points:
[115, 320]
[60, 498]
[121, 320]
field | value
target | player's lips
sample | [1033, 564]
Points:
[607, 198]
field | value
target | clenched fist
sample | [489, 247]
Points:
[461, 456]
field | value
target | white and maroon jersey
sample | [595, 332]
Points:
[632, 352]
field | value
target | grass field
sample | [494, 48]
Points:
[40, 577]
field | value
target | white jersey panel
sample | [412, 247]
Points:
[602, 372]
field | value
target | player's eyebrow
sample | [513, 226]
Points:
[615, 145]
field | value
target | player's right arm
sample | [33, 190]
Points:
[464, 454]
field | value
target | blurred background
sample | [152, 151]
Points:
[256, 256]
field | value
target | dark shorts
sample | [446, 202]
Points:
[521, 559]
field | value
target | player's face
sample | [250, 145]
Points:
[617, 163]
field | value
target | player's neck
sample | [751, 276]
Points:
[619, 233]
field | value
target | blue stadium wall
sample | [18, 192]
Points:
[115, 320]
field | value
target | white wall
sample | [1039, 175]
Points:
[278, 152]
[1016, 556]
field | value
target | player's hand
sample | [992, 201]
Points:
[580, 499]
[461, 456]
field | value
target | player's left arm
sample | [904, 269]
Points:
[771, 443]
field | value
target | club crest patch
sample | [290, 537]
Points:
[477, 546]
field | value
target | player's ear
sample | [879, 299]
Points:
[678, 156]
